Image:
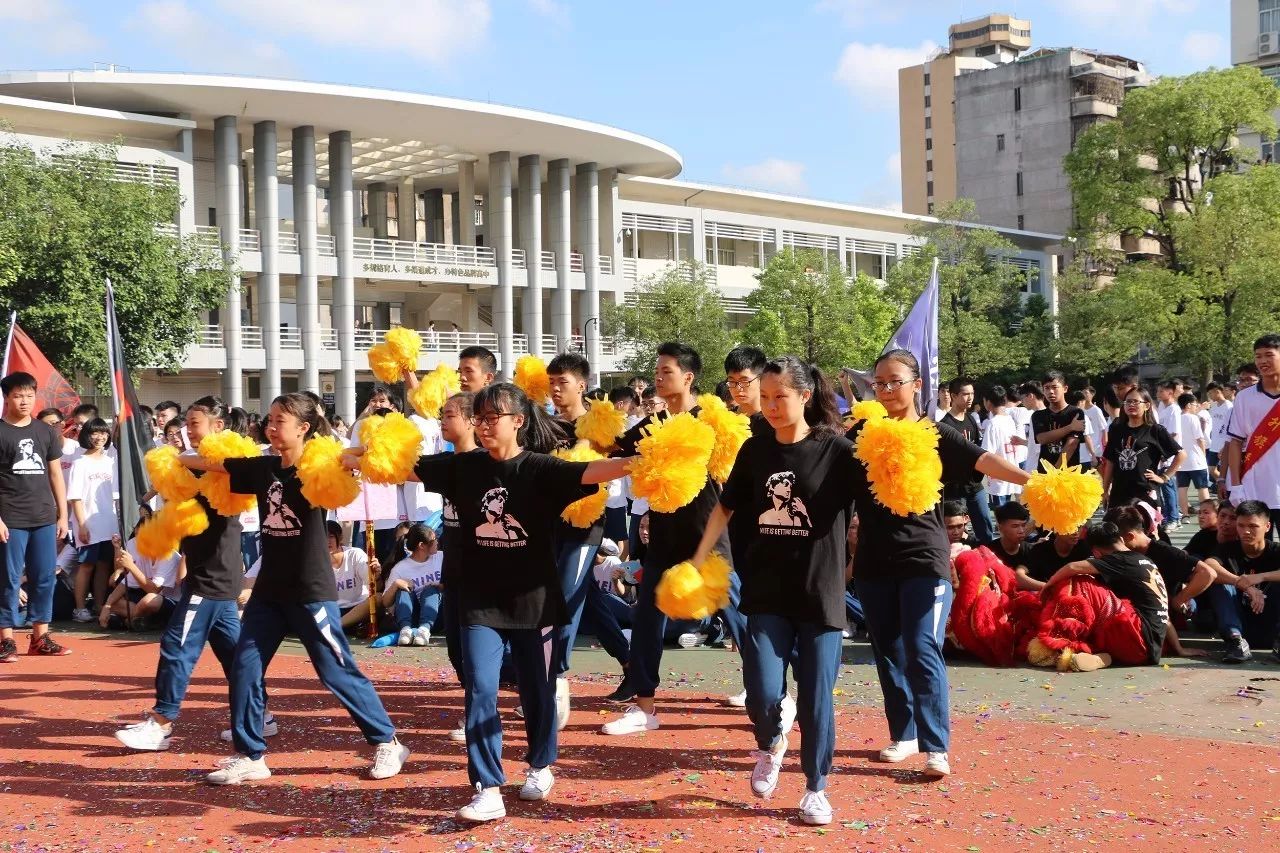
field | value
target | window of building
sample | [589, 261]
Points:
[928, 144]
[1268, 16]
[1272, 72]
[1019, 183]
[928, 188]
[928, 165]
[930, 208]
[926, 78]
[928, 122]
[1021, 222]
[1268, 152]
[987, 50]
[1017, 98]
[928, 101]
[999, 141]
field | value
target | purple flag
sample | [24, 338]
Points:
[919, 334]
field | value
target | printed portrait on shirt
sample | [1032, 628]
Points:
[449, 514]
[280, 519]
[28, 461]
[1128, 457]
[785, 509]
[498, 524]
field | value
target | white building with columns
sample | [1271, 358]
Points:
[345, 211]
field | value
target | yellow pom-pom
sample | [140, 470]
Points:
[384, 364]
[433, 390]
[325, 483]
[531, 377]
[681, 593]
[715, 580]
[672, 468]
[732, 430]
[392, 444]
[867, 410]
[585, 511]
[172, 480]
[1062, 499]
[601, 425]
[903, 465]
[160, 535]
[216, 487]
[404, 345]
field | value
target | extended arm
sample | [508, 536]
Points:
[716, 524]
[59, 498]
[603, 470]
[1001, 469]
[1070, 570]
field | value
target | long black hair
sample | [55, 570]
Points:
[821, 412]
[539, 433]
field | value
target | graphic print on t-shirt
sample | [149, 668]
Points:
[1128, 460]
[449, 514]
[280, 520]
[499, 529]
[28, 461]
[786, 510]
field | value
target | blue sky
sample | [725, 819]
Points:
[796, 96]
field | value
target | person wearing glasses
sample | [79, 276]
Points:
[1136, 444]
[903, 577]
[510, 593]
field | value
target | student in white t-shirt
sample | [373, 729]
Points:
[606, 614]
[1032, 399]
[1194, 473]
[413, 589]
[1254, 407]
[351, 575]
[1220, 415]
[91, 497]
[149, 587]
[999, 436]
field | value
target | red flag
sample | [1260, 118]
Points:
[53, 392]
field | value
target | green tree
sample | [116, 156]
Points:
[981, 306]
[814, 310]
[66, 226]
[677, 304]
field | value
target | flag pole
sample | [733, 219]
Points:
[8, 344]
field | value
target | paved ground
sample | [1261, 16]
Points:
[1174, 757]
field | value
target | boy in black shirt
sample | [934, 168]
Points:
[1058, 428]
[1246, 597]
[970, 489]
[1011, 545]
[1045, 557]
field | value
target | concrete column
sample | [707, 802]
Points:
[407, 210]
[588, 215]
[226, 183]
[531, 242]
[342, 224]
[499, 228]
[304, 223]
[451, 218]
[466, 203]
[560, 234]
[187, 212]
[698, 241]
[610, 219]
[378, 210]
[433, 213]
[266, 193]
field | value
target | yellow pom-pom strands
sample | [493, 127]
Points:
[583, 513]
[867, 410]
[160, 535]
[903, 466]
[216, 487]
[731, 430]
[1062, 499]
[429, 397]
[687, 592]
[602, 425]
[325, 483]
[172, 480]
[672, 467]
[392, 444]
[397, 354]
[531, 377]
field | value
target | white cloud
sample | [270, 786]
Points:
[870, 71]
[202, 42]
[554, 11]
[858, 13]
[48, 23]
[431, 31]
[1122, 15]
[1205, 48]
[785, 176]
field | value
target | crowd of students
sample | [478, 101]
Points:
[476, 551]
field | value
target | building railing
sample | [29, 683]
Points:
[548, 260]
[549, 343]
[250, 241]
[606, 265]
[517, 259]
[326, 246]
[288, 243]
[290, 337]
[575, 262]
[209, 236]
[629, 269]
[373, 248]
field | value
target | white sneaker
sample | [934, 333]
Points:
[421, 636]
[405, 638]
[764, 778]
[537, 783]
[737, 700]
[788, 712]
[146, 736]
[562, 703]
[486, 805]
[270, 728]
[937, 766]
[814, 808]
[690, 641]
[82, 615]
[388, 759]
[459, 735]
[899, 750]
[239, 768]
[633, 720]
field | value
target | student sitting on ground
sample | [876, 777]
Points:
[351, 574]
[1010, 544]
[413, 589]
[1045, 557]
[1246, 598]
[149, 591]
[606, 614]
[1205, 540]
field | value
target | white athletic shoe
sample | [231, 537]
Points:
[388, 759]
[562, 703]
[459, 735]
[406, 637]
[937, 766]
[537, 783]
[899, 750]
[633, 720]
[146, 736]
[486, 805]
[690, 640]
[764, 778]
[788, 713]
[422, 636]
[270, 728]
[814, 808]
[238, 768]
[737, 700]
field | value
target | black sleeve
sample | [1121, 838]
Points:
[436, 472]
[1112, 451]
[1172, 559]
[55, 445]
[1040, 422]
[630, 438]
[737, 489]
[250, 475]
[959, 454]
[1168, 447]
[561, 481]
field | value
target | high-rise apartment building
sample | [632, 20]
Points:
[1255, 40]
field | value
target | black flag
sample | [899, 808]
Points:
[133, 436]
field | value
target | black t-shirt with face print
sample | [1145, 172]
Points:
[292, 535]
[1133, 451]
[26, 497]
[794, 501]
[1133, 577]
[505, 512]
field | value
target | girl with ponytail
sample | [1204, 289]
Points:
[794, 482]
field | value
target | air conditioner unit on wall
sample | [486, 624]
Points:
[1268, 43]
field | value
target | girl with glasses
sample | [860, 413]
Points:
[1135, 446]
